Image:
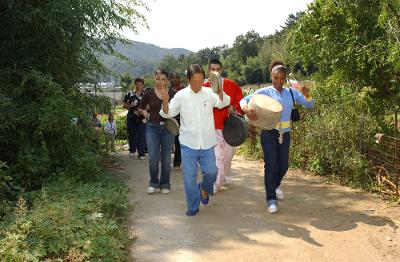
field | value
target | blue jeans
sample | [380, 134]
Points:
[276, 160]
[136, 136]
[157, 137]
[206, 159]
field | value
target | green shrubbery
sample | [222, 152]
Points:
[42, 134]
[251, 148]
[120, 120]
[68, 220]
[121, 127]
[332, 137]
[356, 83]
[49, 150]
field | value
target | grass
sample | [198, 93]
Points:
[68, 220]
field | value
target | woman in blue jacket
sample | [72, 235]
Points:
[276, 142]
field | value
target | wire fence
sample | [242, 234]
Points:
[385, 162]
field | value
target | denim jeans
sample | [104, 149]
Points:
[206, 159]
[158, 137]
[276, 160]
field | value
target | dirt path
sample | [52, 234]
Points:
[316, 222]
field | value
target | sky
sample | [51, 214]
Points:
[198, 24]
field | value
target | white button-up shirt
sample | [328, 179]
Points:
[197, 129]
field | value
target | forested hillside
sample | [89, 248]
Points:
[143, 57]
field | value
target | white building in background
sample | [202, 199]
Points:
[109, 89]
[99, 85]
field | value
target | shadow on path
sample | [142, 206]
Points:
[316, 222]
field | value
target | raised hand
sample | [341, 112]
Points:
[144, 114]
[304, 90]
[301, 87]
[164, 95]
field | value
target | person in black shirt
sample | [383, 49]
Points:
[136, 123]
[176, 85]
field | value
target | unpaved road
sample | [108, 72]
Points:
[316, 222]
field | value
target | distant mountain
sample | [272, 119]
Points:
[144, 58]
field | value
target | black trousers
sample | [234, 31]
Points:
[276, 160]
[177, 152]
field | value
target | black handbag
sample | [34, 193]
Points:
[295, 114]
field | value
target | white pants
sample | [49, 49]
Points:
[223, 154]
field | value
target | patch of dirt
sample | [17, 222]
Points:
[316, 222]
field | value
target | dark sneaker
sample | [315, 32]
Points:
[191, 213]
[204, 200]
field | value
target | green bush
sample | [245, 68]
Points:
[334, 134]
[42, 139]
[252, 148]
[47, 127]
[120, 120]
[121, 127]
[69, 219]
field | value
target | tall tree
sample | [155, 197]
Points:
[217, 52]
[63, 39]
[125, 82]
[47, 49]
[350, 39]
[169, 63]
[253, 70]
[246, 45]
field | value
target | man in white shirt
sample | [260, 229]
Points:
[197, 136]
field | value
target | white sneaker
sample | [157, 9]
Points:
[279, 194]
[131, 155]
[142, 158]
[272, 208]
[151, 190]
[165, 191]
[215, 189]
